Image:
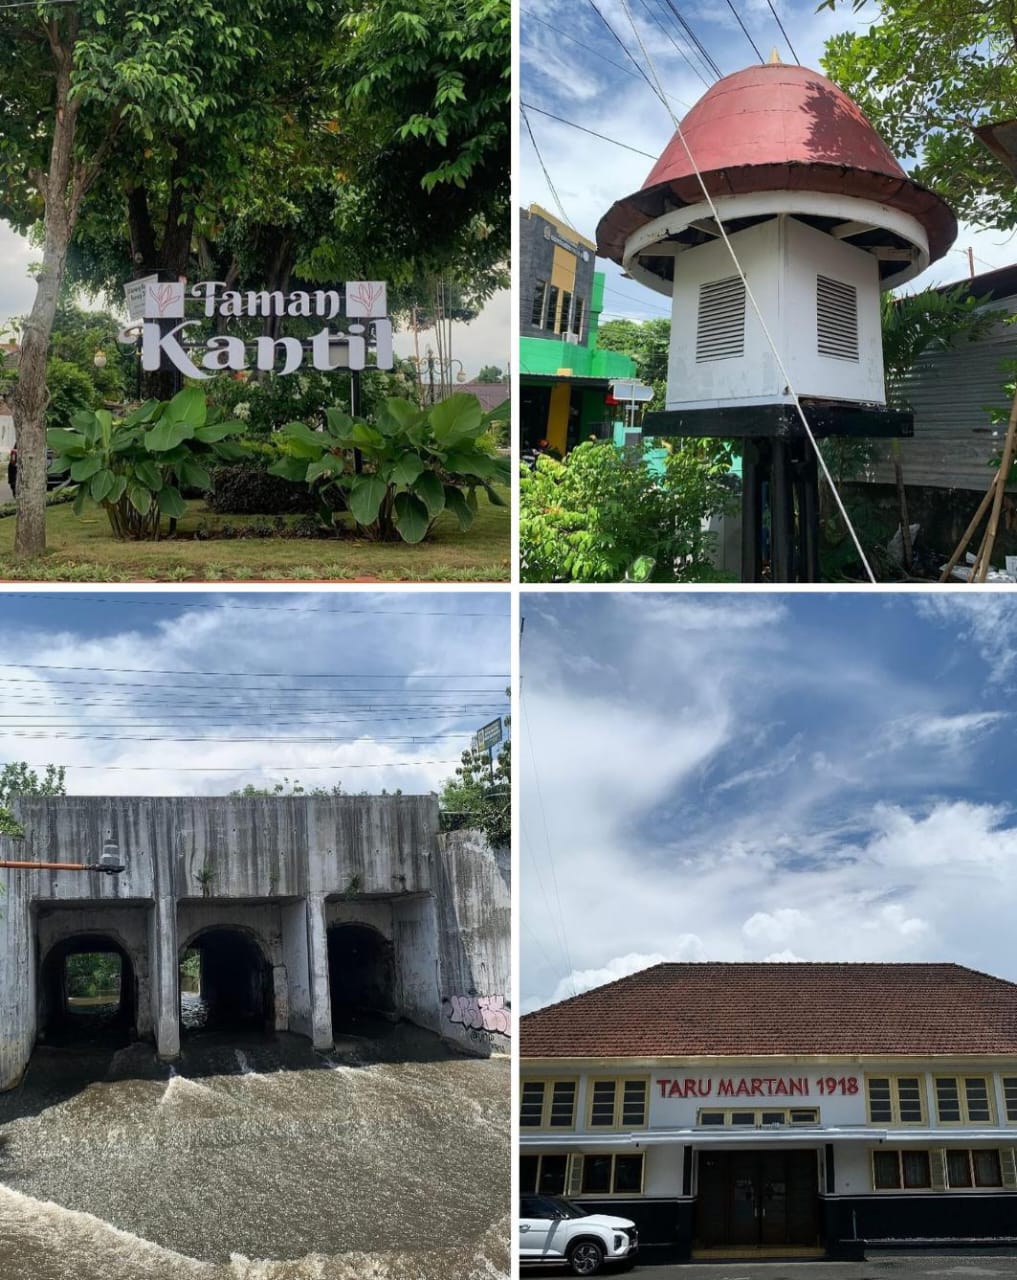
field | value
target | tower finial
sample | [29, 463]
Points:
[775, 58]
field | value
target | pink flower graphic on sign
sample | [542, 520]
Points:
[164, 300]
[164, 297]
[365, 298]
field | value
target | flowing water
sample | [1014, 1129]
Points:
[257, 1159]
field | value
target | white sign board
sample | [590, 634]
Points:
[188, 346]
[134, 293]
[632, 391]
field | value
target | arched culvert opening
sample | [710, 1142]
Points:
[225, 983]
[88, 992]
[361, 974]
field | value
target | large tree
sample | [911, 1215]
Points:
[266, 139]
[77, 80]
[927, 73]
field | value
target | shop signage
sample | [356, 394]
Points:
[757, 1086]
[363, 324]
[488, 737]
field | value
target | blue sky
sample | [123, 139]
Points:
[580, 85]
[203, 693]
[717, 776]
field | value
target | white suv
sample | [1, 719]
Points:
[555, 1230]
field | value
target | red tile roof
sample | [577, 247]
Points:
[680, 1010]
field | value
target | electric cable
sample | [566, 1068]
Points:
[547, 177]
[787, 38]
[654, 89]
[683, 53]
[755, 307]
[707, 57]
[582, 129]
[256, 675]
[198, 600]
[738, 19]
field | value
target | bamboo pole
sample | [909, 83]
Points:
[969, 532]
[997, 501]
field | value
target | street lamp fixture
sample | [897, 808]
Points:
[99, 360]
[109, 863]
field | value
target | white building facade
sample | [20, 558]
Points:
[778, 1154]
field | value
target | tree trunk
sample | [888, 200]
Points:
[30, 394]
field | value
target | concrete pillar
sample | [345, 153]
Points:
[293, 916]
[415, 934]
[18, 1004]
[164, 966]
[317, 960]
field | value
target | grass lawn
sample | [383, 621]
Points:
[82, 549]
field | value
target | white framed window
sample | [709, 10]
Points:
[760, 1118]
[963, 1099]
[1010, 1098]
[617, 1104]
[545, 1174]
[901, 1171]
[613, 1173]
[547, 1104]
[895, 1099]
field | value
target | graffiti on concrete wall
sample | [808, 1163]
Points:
[481, 1013]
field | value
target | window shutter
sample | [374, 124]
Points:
[937, 1168]
[836, 319]
[575, 1180]
[1008, 1164]
[720, 330]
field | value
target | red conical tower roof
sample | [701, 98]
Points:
[776, 128]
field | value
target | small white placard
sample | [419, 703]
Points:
[366, 298]
[134, 293]
[164, 301]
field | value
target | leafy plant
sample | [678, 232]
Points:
[135, 469]
[475, 798]
[601, 515]
[17, 779]
[397, 474]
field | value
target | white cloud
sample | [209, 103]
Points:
[685, 947]
[98, 724]
[679, 804]
[984, 619]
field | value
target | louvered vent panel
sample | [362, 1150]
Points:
[836, 319]
[721, 331]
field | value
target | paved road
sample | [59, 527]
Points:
[932, 1266]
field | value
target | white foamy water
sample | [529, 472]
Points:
[218, 1171]
[55, 1243]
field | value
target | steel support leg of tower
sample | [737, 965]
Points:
[789, 473]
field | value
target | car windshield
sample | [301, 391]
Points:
[569, 1210]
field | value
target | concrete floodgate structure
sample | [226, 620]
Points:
[304, 913]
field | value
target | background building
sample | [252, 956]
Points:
[563, 379]
[779, 1109]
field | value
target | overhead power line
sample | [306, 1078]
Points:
[250, 768]
[787, 38]
[745, 30]
[707, 57]
[256, 675]
[657, 92]
[543, 168]
[582, 129]
[683, 53]
[203, 600]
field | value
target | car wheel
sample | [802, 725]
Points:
[585, 1258]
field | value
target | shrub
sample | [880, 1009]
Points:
[398, 473]
[135, 469]
[242, 490]
[601, 515]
